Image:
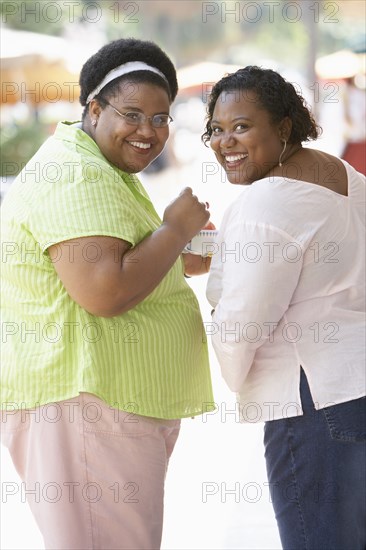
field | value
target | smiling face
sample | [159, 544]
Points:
[130, 148]
[245, 140]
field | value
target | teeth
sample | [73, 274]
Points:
[233, 158]
[140, 145]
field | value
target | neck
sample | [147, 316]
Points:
[87, 127]
[290, 152]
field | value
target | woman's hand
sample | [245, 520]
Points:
[186, 215]
[196, 265]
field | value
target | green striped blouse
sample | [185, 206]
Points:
[152, 360]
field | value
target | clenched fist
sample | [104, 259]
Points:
[186, 214]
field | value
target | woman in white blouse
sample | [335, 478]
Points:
[287, 288]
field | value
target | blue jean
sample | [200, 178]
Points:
[316, 466]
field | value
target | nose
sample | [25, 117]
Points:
[145, 129]
[227, 139]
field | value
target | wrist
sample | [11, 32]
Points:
[175, 234]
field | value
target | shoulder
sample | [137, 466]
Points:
[282, 195]
[353, 174]
[80, 160]
[292, 207]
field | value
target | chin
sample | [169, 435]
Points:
[238, 179]
[131, 168]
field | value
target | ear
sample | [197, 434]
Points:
[284, 128]
[94, 109]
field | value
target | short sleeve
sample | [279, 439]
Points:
[92, 199]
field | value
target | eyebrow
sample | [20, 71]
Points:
[233, 120]
[131, 108]
[134, 108]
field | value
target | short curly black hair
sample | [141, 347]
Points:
[274, 94]
[122, 51]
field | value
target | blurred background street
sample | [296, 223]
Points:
[319, 46]
[216, 493]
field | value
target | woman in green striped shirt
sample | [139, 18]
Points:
[103, 338]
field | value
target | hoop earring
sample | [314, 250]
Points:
[94, 122]
[282, 153]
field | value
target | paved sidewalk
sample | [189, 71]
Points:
[216, 492]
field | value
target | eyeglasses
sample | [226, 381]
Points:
[135, 118]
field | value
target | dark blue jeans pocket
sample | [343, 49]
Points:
[347, 421]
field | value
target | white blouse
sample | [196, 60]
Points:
[287, 284]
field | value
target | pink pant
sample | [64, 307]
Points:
[93, 475]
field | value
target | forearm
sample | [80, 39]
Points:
[122, 276]
[141, 269]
